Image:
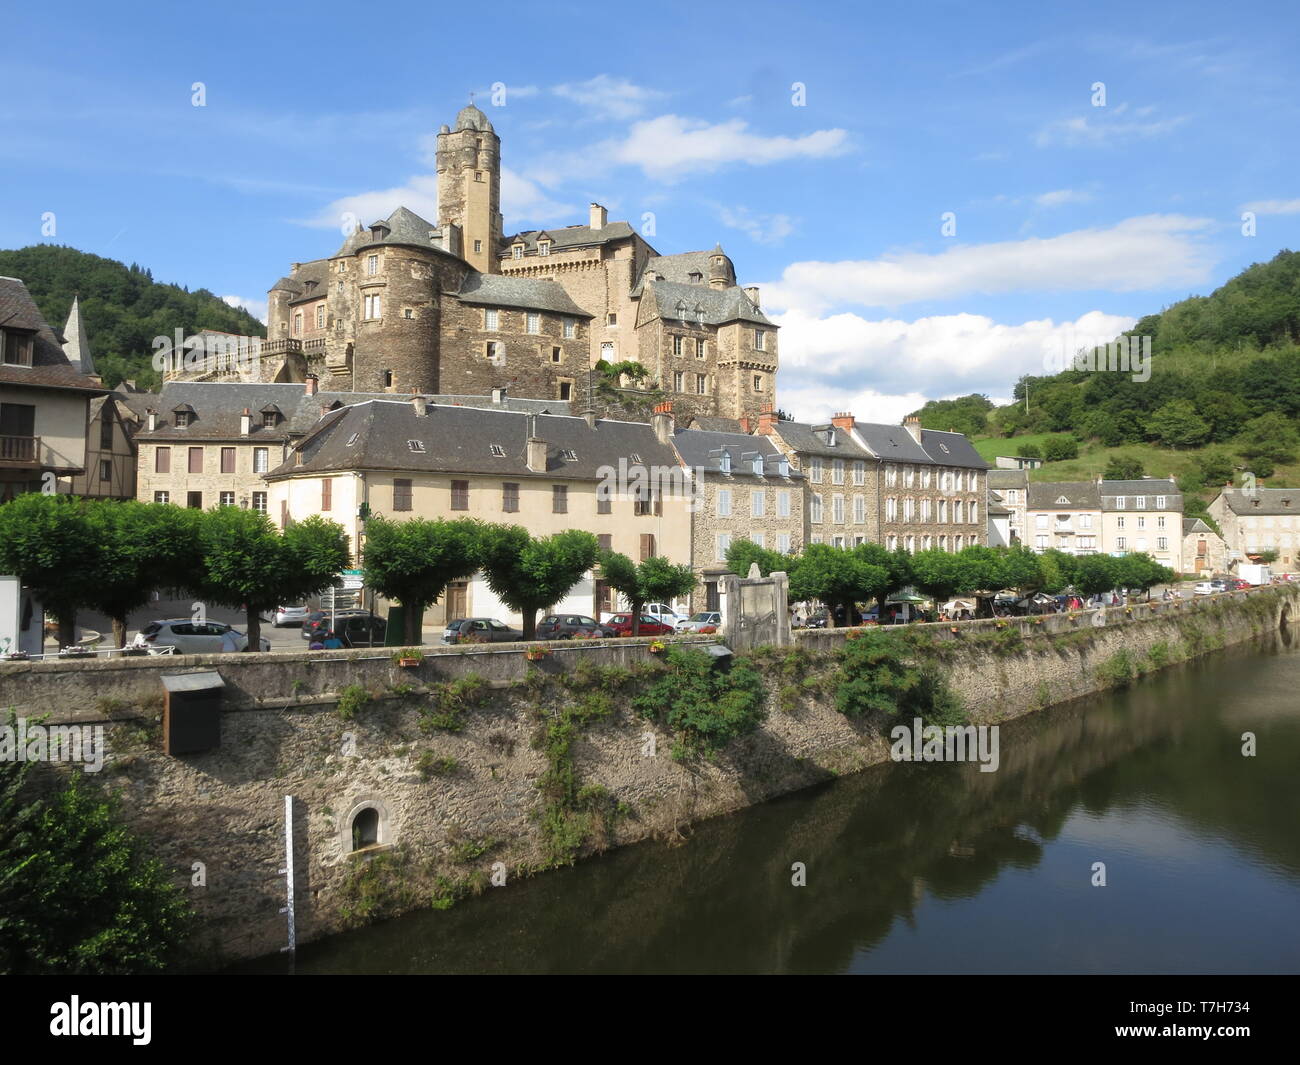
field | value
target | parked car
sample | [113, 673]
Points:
[360, 629]
[1236, 584]
[350, 625]
[190, 637]
[567, 626]
[703, 620]
[818, 620]
[659, 611]
[622, 626]
[1210, 587]
[480, 630]
[289, 615]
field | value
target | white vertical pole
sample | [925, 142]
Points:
[287, 873]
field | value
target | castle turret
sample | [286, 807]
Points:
[469, 186]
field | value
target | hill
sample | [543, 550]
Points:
[124, 308]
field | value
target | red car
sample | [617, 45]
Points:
[1238, 584]
[622, 626]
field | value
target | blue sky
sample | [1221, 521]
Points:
[1071, 219]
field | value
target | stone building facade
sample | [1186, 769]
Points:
[403, 305]
[900, 486]
[1260, 520]
[1012, 490]
[1203, 549]
[743, 488]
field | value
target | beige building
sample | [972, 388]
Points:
[743, 488]
[1143, 516]
[1064, 516]
[1260, 520]
[619, 480]
[900, 486]
[44, 398]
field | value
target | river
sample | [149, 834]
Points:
[939, 868]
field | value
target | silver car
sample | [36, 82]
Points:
[190, 637]
[703, 620]
[289, 615]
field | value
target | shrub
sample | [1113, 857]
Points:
[876, 678]
[351, 699]
[705, 707]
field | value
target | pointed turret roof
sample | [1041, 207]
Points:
[76, 345]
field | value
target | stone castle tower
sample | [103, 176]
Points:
[469, 186]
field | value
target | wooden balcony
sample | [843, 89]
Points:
[20, 450]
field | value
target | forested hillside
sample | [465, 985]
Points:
[124, 308]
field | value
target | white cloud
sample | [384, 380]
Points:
[257, 308]
[881, 369]
[1273, 206]
[525, 200]
[1105, 127]
[760, 228]
[1148, 252]
[1059, 197]
[419, 194]
[669, 147]
[607, 97]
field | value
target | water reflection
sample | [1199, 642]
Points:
[937, 867]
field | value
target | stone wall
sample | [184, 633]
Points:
[457, 808]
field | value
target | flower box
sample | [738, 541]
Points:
[536, 654]
[657, 647]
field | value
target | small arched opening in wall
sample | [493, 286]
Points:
[367, 827]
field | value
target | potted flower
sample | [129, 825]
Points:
[954, 629]
[536, 654]
[657, 647]
[408, 657]
[707, 629]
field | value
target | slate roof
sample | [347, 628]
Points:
[951, 449]
[405, 227]
[50, 367]
[719, 305]
[713, 424]
[497, 290]
[1004, 479]
[219, 406]
[1147, 486]
[460, 439]
[1263, 501]
[76, 345]
[801, 438]
[677, 268]
[1196, 525]
[703, 449]
[1080, 495]
[567, 237]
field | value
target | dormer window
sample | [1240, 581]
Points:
[184, 416]
[544, 247]
[269, 419]
[695, 277]
[517, 251]
[699, 314]
[724, 462]
[17, 348]
[783, 466]
[758, 465]
[681, 310]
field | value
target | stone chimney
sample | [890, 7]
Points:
[421, 405]
[913, 425]
[312, 383]
[153, 419]
[246, 422]
[536, 447]
[589, 416]
[843, 420]
[752, 292]
[293, 269]
[498, 396]
[662, 423]
[599, 216]
[767, 422]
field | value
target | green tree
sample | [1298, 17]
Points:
[47, 542]
[412, 562]
[530, 574]
[1124, 468]
[1216, 466]
[743, 553]
[897, 563]
[653, 580]
[1095, 574]
[248, 564]
[1177, 424]
[139, 547]
[1029, 450]
[1059, 448]
[78, 893]
[837, 578]
[1270, 436]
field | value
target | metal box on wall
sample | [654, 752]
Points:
[192, 711]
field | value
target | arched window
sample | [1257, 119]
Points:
[365, 828]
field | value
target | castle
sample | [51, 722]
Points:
[462, 308]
